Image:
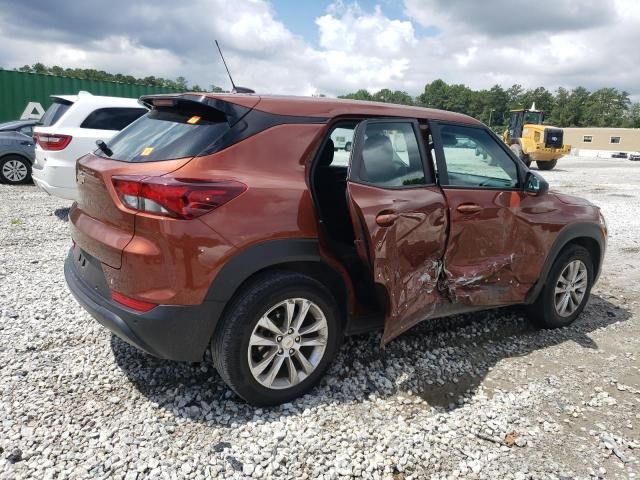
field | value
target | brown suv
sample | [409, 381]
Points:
[235, 221]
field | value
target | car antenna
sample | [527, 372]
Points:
[235, 89]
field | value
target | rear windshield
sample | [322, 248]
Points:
[167, 133]
[54, 112]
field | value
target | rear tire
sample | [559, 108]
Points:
[247, 349]
[15, 170]
[548, 165]
[567, 290]
[517, 150]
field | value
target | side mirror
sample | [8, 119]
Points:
[535, 184]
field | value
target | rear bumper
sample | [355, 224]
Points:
[54, 176]
[172, 332]
[60, 192]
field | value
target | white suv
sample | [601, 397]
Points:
[69, 129]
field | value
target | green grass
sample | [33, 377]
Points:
[16, 221]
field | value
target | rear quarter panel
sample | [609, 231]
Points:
[277, 203]
[174, 261]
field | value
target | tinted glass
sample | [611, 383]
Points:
[54, 112]
[475, 159]
[28, 131]
[112, 118]
[390, 156]
[168, 133]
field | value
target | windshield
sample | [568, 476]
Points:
[168, 133]
[533, 118]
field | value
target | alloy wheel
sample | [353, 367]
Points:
[14, 170]
[288, 343]
[571, 288]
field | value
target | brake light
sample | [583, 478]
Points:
[132, 303]
[175, 197]
[49, 141]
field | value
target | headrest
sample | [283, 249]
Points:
[449, 140]
[377, 157]
[379, 141]
[326, 157]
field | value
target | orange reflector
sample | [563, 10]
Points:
[514, 200]
[193, 120]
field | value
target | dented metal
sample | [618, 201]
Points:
[436, 258]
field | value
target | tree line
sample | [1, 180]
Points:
[578, 107]
[179, 83]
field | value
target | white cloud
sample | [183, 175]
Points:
[549, 42]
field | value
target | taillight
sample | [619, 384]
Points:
[132, 303]
[175, 197]
[49, 141]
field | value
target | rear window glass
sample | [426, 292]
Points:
[166, 133]
[54, 112]
[112, 118]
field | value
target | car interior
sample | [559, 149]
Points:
[386, 164]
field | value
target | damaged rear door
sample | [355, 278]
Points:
[493, 251]
[399, 217]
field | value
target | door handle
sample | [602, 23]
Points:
[386, 219]
[469, 208]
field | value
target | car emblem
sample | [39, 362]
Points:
[554, 138]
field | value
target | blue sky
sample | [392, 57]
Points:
[299, 16]
[335, 47]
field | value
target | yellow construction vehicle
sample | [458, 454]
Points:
[532, 141]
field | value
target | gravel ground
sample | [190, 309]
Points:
[474, 396]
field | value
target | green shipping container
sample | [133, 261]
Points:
[23, 92]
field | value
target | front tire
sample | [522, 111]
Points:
[517, 150]
[277, 338]
[567, 290]
[15, 170]
[548, 165]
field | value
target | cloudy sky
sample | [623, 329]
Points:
[335, 47]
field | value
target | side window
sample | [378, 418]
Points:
[391, 156]
[475, 159]
[112, 118]
[28, 131]
[342, 138]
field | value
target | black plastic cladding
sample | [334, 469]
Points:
[255, 122]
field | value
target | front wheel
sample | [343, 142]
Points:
[567, 289]
[15, 170]
[548, 165]
[277, 338]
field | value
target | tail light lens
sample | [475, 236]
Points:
[173, 197]
[49, 141]
[132, 303]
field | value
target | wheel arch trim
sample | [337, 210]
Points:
[260, 257]
[12, 153]
[569, 234]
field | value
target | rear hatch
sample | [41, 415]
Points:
[162, 141]
[45, 131]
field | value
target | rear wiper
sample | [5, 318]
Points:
[105, 149]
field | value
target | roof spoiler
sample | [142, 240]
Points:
[232, 111]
